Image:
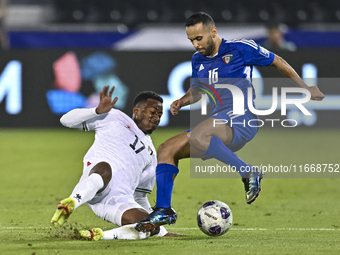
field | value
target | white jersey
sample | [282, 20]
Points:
[120, 142]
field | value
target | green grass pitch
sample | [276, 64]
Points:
[292, 216]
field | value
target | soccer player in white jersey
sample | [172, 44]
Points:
[217, 61]
[119, 168]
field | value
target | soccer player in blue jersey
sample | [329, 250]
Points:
[216, 60]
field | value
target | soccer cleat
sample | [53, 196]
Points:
[94, 234]
[252, 181]
[65, 208]
[160, 216]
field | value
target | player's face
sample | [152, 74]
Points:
[147, 115]
[201, 38]
[275, 36]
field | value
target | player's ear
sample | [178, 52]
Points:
[213, 32]
[136, 110]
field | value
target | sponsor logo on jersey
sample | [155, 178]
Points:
[201, 67]
[227, 58]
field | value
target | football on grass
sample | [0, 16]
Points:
[214, 218]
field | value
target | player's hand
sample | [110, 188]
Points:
[105, 103]
[316, 94]
[176, 106]
[173, 235]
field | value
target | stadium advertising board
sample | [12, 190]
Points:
[38, 86]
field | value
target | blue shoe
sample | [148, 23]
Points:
[252, 181]
[160, 216]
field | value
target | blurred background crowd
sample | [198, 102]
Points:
[261, 20]
[134, 12]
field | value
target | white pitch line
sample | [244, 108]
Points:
[233, 229]
[268, 229]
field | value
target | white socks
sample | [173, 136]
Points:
[125, 232]
[86, 189]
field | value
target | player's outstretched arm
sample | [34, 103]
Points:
[192, 96]
[289, 72]
[75, 117]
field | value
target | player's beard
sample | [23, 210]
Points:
[210, 47]
[149, 132]
[149, 127]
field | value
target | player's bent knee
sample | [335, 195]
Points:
[133, 215]
[166, 149]
[104, 170]
[200, 143]
[172, 146]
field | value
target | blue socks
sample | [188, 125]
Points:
[218, 150]
[165, 172]
[164, 178]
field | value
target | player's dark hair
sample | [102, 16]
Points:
[273, 25]
[145, 95]
[200, 17]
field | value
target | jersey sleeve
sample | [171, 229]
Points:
[194, 69]
[94, 123]
[194, 76]
[254, 54]
[77, 118]
[148, 178]
[142, 199]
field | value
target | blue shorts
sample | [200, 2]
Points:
[244, 126]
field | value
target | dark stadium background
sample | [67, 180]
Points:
[143, 71]
[87, 27]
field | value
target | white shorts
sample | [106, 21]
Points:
[116, 198]
[112, 213]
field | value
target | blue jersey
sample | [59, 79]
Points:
[233, 64]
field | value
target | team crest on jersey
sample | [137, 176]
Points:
[150, 151]
[227, 58]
